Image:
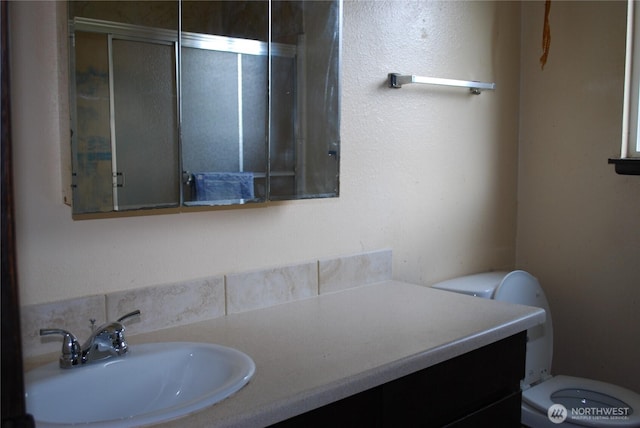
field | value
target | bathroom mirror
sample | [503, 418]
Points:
[192, 103]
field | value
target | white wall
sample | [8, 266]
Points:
[578, 222]
[427, 172]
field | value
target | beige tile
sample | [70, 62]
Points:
[187, 302]
[169, 305]
[72, 315]
[352, 271]
[259, 289]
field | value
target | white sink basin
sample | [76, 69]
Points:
[153, 382]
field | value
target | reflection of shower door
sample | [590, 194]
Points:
[224, 104]
[144, 127]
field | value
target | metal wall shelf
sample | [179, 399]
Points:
[396, 81]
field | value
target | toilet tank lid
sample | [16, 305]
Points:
[480, 284]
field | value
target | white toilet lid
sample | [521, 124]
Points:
[539, 397]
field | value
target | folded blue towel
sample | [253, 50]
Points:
[215, 186]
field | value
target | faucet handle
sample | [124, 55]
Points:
[71, 352]
[129, 315]
[118, 340]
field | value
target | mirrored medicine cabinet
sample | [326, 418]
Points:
[177, 104]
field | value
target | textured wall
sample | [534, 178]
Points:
[427, 172]
[577, 220]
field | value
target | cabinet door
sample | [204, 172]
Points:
[480, 388]
[461, 386]
[504, 413]
[359, 410]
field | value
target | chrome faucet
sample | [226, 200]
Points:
[106, 341]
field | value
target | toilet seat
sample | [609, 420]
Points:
[539, 397]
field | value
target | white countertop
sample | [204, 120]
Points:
[312, 352]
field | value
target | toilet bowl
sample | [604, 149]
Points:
[550, 401]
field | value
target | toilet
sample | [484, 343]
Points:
[550, 401]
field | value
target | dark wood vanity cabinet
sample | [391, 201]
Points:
[478, 389]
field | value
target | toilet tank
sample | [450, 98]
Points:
[479, 285]
[515, 287]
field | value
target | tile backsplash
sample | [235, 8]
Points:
[169, 305]
[340, 273]
[259, 289]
